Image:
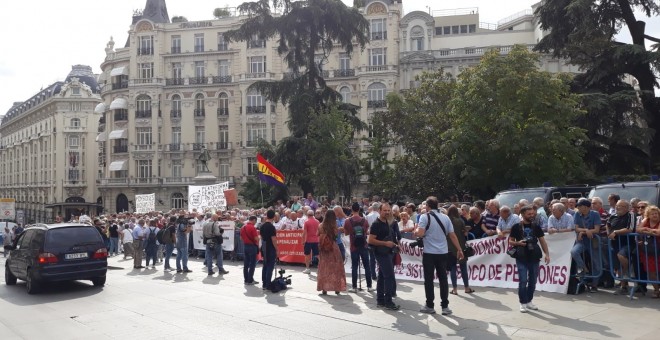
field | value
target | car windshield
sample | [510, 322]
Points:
[645, 193]
[72, 236]
[512, 197]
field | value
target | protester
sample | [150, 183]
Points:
[7, 238]
[381, 236]
[151, 245]
[525, 237]
[475, 223]
[357, 228]
[250, 239]
[169, 239]
[621, 223]
[560, 221]
[269, 249]
[649, 246]
[183, 229]
[406, 225]
[138, 238]
[587, 224]
[212, 236]
[310, 239]
[127, 242]
[114, 239]
[491, 218]
[331, 276]
[452, 260]
[507, 220]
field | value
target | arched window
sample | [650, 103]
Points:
[345, 92]
[176, 106]
[376, 95]
[177, 200]
[223, 104]
[256, 103]
[143, 107]
[199, 105]
[75, 122]
[417, 39]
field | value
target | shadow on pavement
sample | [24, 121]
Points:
[52, 292]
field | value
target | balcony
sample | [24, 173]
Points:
[140, 81]
[145, 181]
[223, 47]
[376, 104]
[199, 48]
[377, 68]
[117, 182]
[344, 73]
[325, 74]
[143, 147]
[175, 50]
[120, 148]
[143, 114]
[223, 111]
[251, 143]
[75, 183]
[145, 51]
[200, 112]
[229, 179]
[379, 35]
[221, 146]
[197, 80]
[173, 147]
[73, 128]
[255, 75]
[118, 86]
[255, 109]
[221, 79]
[175, 113]
[174, 81]
[198, 146]
[122, 115]
[257, 44]
[177, 180]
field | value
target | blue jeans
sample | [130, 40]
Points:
[209, 254]
[169, 248]
[342, 250]
[361, 253]
[249, 262]
[528, 272]
[385, 283]
[372, 264]
[584, 246]
[182, 256]
[114, 241]
[269, 265]
[452, 261]
[151, 251]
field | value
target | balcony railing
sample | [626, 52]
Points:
[199, 48]
[174, 81]
[145, 180]
[254, 75]
[379, 35]
[197, 80]
[200, 112]
[345, 73]
[255, 109]
[251, 143]
[177, 180]
[176, 49]
[257, 44]
[120, 148]
[175, 113]
[376, 68]
[72, 183]
[223, 47]
[121, 116]
[122, 85]
[198, 146]
[145, 51]
[376, 104]
[143, 147]
[173, 147]
[223, 111]
[143, 114]
[325, 74]
[221, 79]
[222, 145]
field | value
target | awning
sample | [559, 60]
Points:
[119, 103]
[99, 108]
[102, 137]
[118, 134]
[118, 166]
[118, 71]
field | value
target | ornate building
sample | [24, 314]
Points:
[47, 149]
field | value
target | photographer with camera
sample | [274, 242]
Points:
[381, 237]
[213, 241]
[525, 238]
[269, 249]
[433, 233]
[184, 227]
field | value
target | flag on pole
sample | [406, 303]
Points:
[268, 173]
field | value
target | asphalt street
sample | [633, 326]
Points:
[151, 304]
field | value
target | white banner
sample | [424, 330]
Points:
[198, 235]
[228, 235]
[7, 208]
[492, 267]
[202, 197]
[145, 203]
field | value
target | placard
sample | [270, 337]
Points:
[7, 208]
[145, 203]
[228, 235]
[202, 197]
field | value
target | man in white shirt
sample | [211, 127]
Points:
[560, 221]
[127, 242]
[138, 236]
[507, 221]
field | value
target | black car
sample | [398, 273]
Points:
[57, 252]
[513, 196]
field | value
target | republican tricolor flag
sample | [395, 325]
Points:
[268, 173]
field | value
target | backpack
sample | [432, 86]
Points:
[167, 235]
[159, 235]
[359, 237]
[151, 239]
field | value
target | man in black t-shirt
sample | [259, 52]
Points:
[528, 256]
[269, 249]
[619, 225]
[114, 239]
[382, 237]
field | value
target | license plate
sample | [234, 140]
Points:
[75, 256]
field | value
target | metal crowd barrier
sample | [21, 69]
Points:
[592, 258]
[642, 249]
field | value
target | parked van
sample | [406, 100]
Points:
[513, 196]
[645, 191]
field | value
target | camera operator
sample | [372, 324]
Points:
[269, 251]
[525, 237]
[435, 228]
[184, 227]
[213, 241]
[381, 236]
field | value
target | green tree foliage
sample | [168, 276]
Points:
[376, 164]
[303, 30]
[512, 123]
[179, 18]
[585, 31]
[219, 13]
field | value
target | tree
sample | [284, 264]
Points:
[304, 30]
[376, 164]
[512, 124]
[585, 32]
[179, 18]
[219, 13]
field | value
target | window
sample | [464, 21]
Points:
[472, 28]
[223, 104]
[377, 56]
[199, 104]
[74, 142]
[378, 29]
[417, 44]
[176, 106]
[143, 109]
[376, 92]
[176, 44]
[176, 168]
[345, 92]
[455, 29]
[75, 107]
[223, 68]
[446, 30]
[176, 135]
[176, 70]
[252, 165]
[75, 91]
[75, 122]
[199, 69]
[464, 29]
[146, 45]
[438, 31]
[223, 133]
[370, 128]
[224, 170]
[258, 64]
[319, 60]
[222, 43]
[199, 42]
[143, 136]
[344, 61]
[256, 42]
[200, 134]
[255, 132]
[146, 70]
[143, 168]
[177, 199]
[256, 103]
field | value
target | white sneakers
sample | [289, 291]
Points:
[525, 307]
[531, 306]
[352, 290]
[307, 271]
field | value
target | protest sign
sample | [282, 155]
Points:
[202, 197]
[145, 203]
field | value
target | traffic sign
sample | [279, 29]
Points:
[8, 208]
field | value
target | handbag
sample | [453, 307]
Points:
[468, 251]
[513, 252]
[397, 259]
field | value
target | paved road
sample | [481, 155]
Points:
[151, 304]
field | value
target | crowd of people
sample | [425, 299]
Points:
[374, 229]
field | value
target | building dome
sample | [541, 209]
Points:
[85, 75]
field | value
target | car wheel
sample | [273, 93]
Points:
[10, 279]
[98, 281]
[32, 284]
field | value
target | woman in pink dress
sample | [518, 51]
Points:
[649, 244]
[331, 275]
